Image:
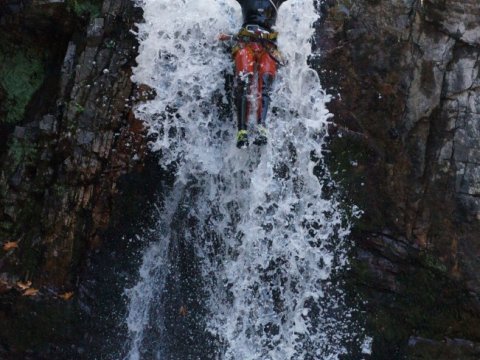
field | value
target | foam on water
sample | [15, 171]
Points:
[265, 240]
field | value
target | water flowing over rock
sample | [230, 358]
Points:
[77, 186]
[245, 258]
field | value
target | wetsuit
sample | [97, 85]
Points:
[253, 51]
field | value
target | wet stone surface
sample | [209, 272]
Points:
[62, 163]
[404, 80]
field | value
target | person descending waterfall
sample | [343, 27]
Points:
[255, 50]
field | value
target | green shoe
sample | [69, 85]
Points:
[260, 135]
[242, 139]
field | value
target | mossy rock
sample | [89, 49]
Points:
[428, 304]
[22, 151]
[351, 162]
[85, 8]
[21, 75]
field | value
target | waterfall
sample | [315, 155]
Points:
[246, 247]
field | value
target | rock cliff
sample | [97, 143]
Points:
[404, 76]
[68, 138]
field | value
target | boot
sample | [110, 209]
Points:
[242, 139]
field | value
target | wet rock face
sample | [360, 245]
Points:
[458, 19]
[66, 153]
[404, 76]
[68, 136]
[421, 348]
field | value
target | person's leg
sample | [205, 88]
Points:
[266, 76]
[244, 67]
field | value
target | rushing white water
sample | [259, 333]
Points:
[261, 242]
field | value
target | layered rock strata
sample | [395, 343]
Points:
[68, 136]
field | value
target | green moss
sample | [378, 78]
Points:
[111, 44]
[434, 306]
[84, 8]
[428, 304]
[21, 75]
[79, 108]
[5, 225]
[434, 263]
[22, 151]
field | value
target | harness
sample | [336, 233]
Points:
[257, 32]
